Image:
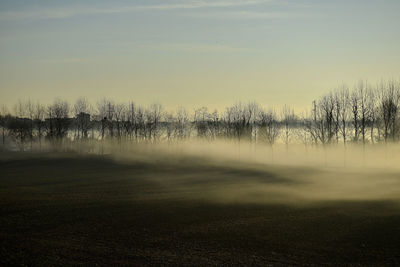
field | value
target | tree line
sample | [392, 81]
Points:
[364, 114]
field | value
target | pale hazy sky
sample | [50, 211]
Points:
[194, 52]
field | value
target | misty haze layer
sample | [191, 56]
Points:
[242, 172]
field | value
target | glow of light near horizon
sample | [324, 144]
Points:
[193, 53]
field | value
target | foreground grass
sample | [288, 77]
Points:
[79, 210]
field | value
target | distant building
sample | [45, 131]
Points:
[83, 117]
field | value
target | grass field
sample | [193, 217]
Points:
[70, 209]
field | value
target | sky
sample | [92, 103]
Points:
[194, 53]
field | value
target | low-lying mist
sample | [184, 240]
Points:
[242, 172]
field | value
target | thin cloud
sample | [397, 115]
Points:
[207, 4]
[246, 15]
[71, 60]
[194, 47]
[67, 12]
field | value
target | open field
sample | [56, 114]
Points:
[70, 209]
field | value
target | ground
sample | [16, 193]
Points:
[70, 209]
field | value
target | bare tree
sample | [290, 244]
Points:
[38, 117]
[154, 115]
[327, 107]
[389, 105]
[182, 119]
[170, 125]
[200, 121]
[342, 98]
[321, 126]
[253, 111]
[269, 126]
[82, 110]
[110, 113]
[214, 124]
[119, 115]
[102, 116]
[362, 95]
[20, 126]
[19, 129]
[287, 119]
[364, 114]
[302, 132]
[355, 108]
[4, 118]
[58, 119]
[372, 111]
[241, 119]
